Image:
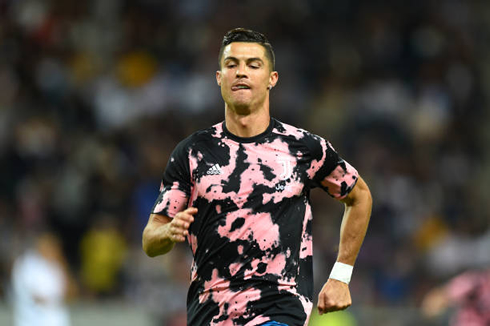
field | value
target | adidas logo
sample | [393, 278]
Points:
[214, 170]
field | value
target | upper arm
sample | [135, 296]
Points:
[176, 184]
[360, 192]
[329, 171]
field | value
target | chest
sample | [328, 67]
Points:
[238, 171]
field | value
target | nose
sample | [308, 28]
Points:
[241, 71]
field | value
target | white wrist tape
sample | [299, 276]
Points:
[341, 272]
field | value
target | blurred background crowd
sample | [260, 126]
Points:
[94, 95]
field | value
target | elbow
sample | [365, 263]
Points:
[154, 246]
[146, 249]
[149, 250]
[368, 197]
[150, 253]
[365, 197]
[146, 244]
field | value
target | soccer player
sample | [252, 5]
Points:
[238, 193]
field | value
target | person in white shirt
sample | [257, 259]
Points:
[40, 285]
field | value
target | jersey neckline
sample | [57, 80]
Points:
[249, 139]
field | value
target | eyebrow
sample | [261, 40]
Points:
[248, 60]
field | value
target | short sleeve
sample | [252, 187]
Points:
[175, 188]
[330, 172]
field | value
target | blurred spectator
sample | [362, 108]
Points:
[41, 285]
[468, 293]
[103, 250]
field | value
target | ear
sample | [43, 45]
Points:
[273, 79]
[218, 78]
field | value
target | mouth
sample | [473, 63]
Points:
[239, 87]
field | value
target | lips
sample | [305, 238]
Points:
[240, 86]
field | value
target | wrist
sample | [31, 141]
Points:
[341, 272]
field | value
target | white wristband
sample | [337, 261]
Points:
[341, 272]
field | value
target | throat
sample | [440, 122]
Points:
[247, 125]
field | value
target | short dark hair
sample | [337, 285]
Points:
[249, 36]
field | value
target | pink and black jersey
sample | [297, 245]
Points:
[251, 239]
[470, 292]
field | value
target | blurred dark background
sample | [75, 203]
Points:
[94, 95]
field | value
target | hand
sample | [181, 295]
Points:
[435, 303]
[179, 226]
[334, 296]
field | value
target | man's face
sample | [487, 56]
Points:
[245, 77]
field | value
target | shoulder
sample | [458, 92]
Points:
[288, 130]
[196, 139]
[309, 140]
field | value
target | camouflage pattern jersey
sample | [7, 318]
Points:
[251, 239]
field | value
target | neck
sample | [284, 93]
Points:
[249, 124]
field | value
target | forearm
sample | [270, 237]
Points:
[354, 224]
[156, 240]
[162, 232]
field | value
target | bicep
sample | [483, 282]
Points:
[358, 193]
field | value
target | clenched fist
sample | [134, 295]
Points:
[334, 296]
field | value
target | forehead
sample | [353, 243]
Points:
[244, 50]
